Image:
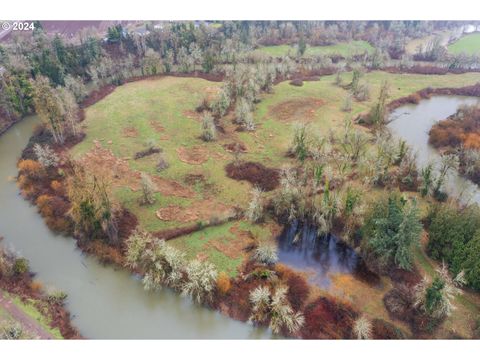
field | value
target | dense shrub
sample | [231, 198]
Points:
[454, 238]
[20, 266]
[298, 291]
[462, 128]
[392, 227]
[326, 318]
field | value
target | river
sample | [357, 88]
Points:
[412, 124]
[105, 303]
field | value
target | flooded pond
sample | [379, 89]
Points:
[105, 303]
[300, 247]
[412, 123]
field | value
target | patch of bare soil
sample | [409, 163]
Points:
[130, 131]
[171, 188]
[157, 126]
[102, 161]
[265, 178]
[193, 115]
[195, 155]
[200, 210]
[234, 248]
[290, 110]
[235, 147]
[117, 171]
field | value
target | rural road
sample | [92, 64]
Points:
[29, 325]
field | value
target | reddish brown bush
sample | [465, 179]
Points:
[30, 168]
[326, 318]
[384, 330]
[462, 128]
[265, 178]
[298, 291]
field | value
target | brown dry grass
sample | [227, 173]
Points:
[302, 109]
[200, 210]
[195, 155]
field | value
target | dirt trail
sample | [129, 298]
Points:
[30, 325]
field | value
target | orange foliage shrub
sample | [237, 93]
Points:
[462, 128]
[472, 141]
[29, 167]
[44, 205]
[57, 187]
[36, 286]
[223, 283]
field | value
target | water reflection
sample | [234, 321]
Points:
[320, 256]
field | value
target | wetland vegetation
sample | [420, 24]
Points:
[255, 168]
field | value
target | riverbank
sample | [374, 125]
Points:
[25, 306]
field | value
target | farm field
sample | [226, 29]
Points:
[343, 49]
[468, 44]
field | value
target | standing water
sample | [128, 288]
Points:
[105, 303]
[412, 123]
[300, 247]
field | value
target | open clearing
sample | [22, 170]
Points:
[468, 44]
[343, 49]
[195, 188]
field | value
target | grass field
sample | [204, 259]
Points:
[468, 44]
[162, 111]
[343, 49]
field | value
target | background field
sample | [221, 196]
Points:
[468, 44]
[343, 49]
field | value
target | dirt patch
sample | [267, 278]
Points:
[117, 171]
[201, 210]
[102, 161]
[195, 155]
[192, 115]
[296, 109]
[157, 126]
[171, 188]
[265, 178]
[176, 213]
[235, 147]
[234, 247]
[130, 131]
